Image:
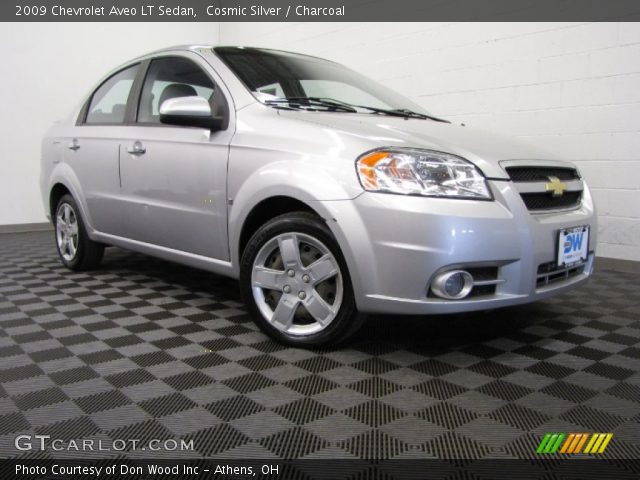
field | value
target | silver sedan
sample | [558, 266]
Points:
[328, 195]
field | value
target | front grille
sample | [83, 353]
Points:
[541, 174]
[546, 201]
[531, 182]
[550, 273]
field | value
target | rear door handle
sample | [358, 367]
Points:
[137, 148]
[74, 145]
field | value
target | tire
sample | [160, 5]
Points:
[75, 249]
[304, 299]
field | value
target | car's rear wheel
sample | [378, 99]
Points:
[76, 250]
[295, 282]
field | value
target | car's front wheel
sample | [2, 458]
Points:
[295, 282]
[76, 250]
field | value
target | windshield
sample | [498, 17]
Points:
[274, 75]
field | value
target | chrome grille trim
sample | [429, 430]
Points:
[539, 187]
[489, 282]
[535, 194]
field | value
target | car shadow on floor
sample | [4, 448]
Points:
[428, 334]
[445, 332]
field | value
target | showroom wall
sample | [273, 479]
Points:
[47, 69]
[572, 88]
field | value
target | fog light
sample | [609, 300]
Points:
[452, 285]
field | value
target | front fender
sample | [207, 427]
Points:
[295, 178]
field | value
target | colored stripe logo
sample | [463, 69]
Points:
[571, 443]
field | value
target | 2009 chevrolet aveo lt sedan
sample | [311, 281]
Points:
[328, 195]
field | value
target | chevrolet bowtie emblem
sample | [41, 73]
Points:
[555, 186]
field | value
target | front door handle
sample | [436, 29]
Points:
[74, 145]
[137, 148]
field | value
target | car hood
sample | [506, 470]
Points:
[486, 150]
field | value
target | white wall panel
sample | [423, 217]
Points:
[46, 70]
[571, 87]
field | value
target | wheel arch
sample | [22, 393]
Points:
[260, 212]
[63, 180]
[266, 210]
[56, 192]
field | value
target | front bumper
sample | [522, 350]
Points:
[394, 245]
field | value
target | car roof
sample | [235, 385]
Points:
[190, 47]
[210, 47]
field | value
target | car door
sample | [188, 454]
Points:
[92, 149]
[174, 177]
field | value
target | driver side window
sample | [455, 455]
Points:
[171, 77]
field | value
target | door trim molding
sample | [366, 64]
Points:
[213, 265]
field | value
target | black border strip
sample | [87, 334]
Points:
[557, 468]
[319, 10]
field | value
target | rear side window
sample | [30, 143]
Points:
[171, 77]
[109, 102]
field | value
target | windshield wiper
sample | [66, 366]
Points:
[311, 102]
[403, 112]
[400, 112]
[348, 107]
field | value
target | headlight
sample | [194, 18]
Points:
[411, 171]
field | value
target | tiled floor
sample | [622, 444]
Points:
[147, 349]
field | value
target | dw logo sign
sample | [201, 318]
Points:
[573, 242]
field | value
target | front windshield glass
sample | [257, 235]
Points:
[273, 75]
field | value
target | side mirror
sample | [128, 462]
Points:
[189, 112]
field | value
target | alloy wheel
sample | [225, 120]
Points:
[67, 231]
[297, 284]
